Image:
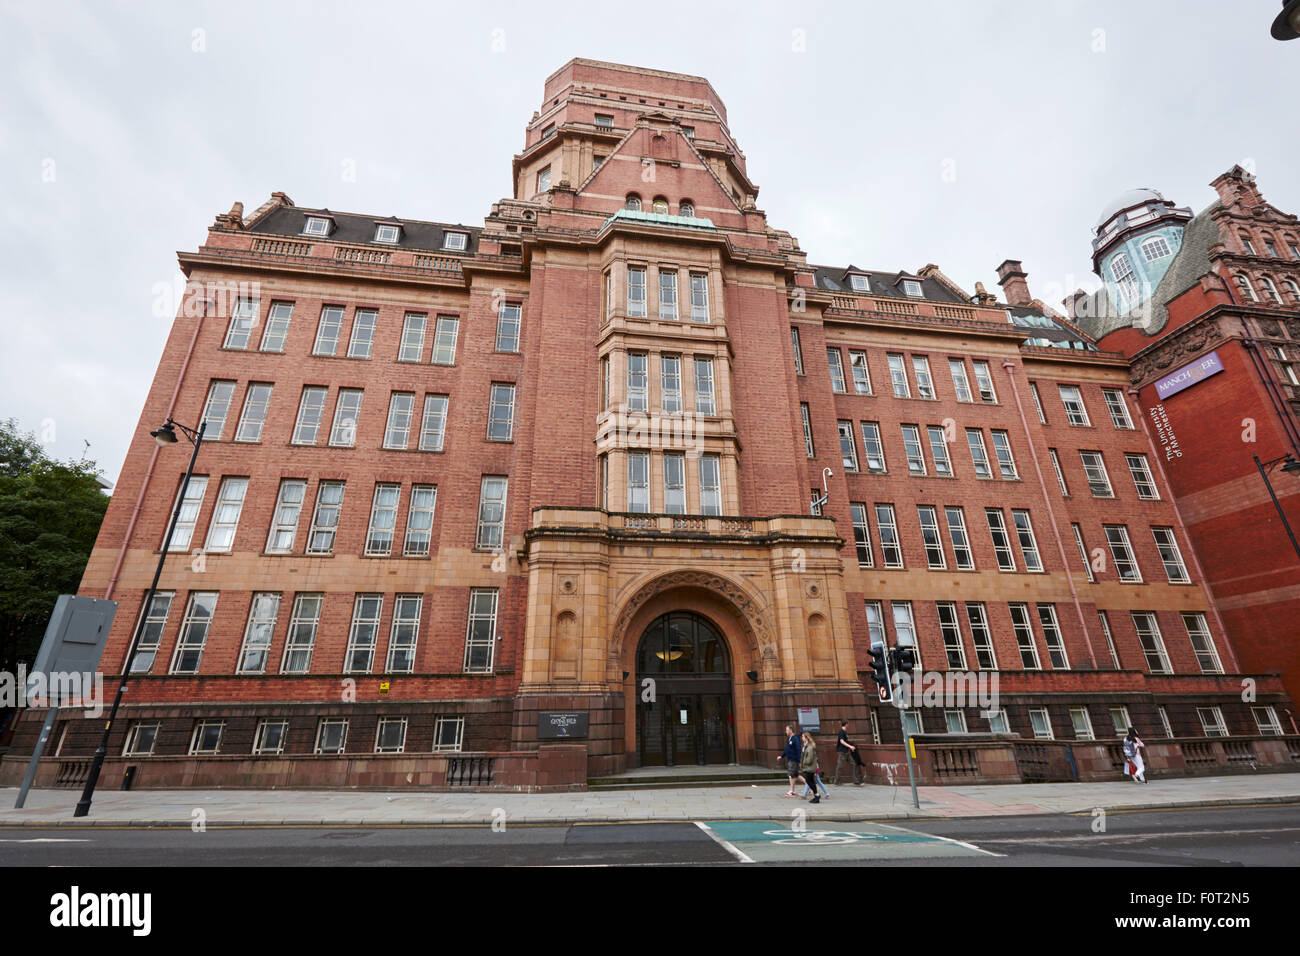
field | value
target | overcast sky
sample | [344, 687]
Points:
[884, 134]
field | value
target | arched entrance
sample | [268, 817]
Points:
[690, 719]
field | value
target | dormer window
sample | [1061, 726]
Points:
[689, 131]
[912, 287]
[604, 119]
[543, 179]
[316, 226]
[633, 203]
[386, 232]
[860, 283]
[660, 205]
[455, 241]
[548, 131]
[686, 208]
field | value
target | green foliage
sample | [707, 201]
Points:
[50, 513]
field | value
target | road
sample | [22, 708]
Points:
[1234, 836]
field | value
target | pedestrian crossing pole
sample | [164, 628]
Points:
[910, 747]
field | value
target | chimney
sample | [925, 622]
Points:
[1238, 185]
[1012, 279]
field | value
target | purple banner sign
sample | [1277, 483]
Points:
[1189, 375]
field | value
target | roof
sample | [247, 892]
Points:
[882, 283]
[693, 222]
[355, 228]
[1044, 329]
[1127, 200]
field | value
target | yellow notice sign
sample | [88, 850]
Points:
[911, 745]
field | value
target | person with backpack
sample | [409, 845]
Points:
[809, 766]
[1133, 765]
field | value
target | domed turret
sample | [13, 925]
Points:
[1134, 241]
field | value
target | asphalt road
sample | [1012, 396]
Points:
[1236, 836]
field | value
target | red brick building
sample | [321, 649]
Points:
[464, 485]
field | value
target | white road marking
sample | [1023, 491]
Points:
[47, 840]
[742, 857]
[935, 836]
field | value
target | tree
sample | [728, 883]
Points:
[50, 513]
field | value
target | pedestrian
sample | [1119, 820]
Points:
[1133, 764]
[809, 766]
[844, 752]
[792, 755]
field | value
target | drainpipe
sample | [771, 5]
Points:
[153, 458]
[1009, 367]
[1182, 528]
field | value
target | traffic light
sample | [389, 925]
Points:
[906, 659]
[880, 670]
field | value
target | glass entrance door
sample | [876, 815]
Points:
[689, 720]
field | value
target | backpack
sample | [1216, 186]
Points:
[1129, 749]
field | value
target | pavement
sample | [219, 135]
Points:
[743, 802]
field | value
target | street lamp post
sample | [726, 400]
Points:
[1291, 465]
[166, 435]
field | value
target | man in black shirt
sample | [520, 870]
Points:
[845, 752]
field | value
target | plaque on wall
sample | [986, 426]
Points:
[572, 724]
[809, 720]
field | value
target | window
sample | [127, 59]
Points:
[433, 425]
[347, 412]
[1244, 285]
[216, 408]
[548, 131]
[1155, 248]
[387, 233]
[1041, 723]
[480, 632]
[1082, 723]
[605, 390]
[1270, 290]
[390, 735]
[1247, 244]
[401, 409]
[207, 737]
[1075, 411]
[604, 119]
[501, 412]
[150, 630]
[667, 292]
[455, 241]
[256, 649]
[861, 534]
[253, 417]
[1212, 722]
[958, 538]
[674, 484]
[898, 376]
[412, 347]
[404, 633]
[836, 363]
[444, 340]
[328, 330]
[872, 448]
[924, 381]
[1170, 556]
[1083, 552]
[807, 431]
[1025, 534]
[271, 737]
[710, 485]
[912, 288]
[670, 383]
[637, 382]
[225, 516]
[490, 535]
[331, 736]
[1121, 271]
[798, 353]
[1024, 636]
[325, 520]
[860, 283]
[448, 734]
[194, 632]
[875, 623]
[929, 519]
[1122, 553]
[954, 721]
[1060, 475]
[1118, 409]
[190, 499]
[912, 446]
[1198, 631]
[1153, 645]
[1142, 478]
[861, 376]
[301, 639]
[815, 502]
[419, 521]
[284, 520]
[939, 451]
[1052, 636]
[960, 384]
[699, 286]
[1164, 721]
[543, 177]
[1038, 402]
[998, 722]
[633, 202]
[1110, 640]
[1266, 720]
[638, 482]
[316, 226]
[686, 208]
[659, 206]
[383, 519]
[984, 381]
[848, 447]
[890, 549]
[242, 320]
[364, 634]
[704, 404]
[277, 327]
[1002, 448]
[905, 629]
[636, 291]
[978, 456]
[1095, 469]
[1119, 720]
[981, 636]
[311, 412]
[1001, 543]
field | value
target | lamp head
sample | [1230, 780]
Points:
[165, 435]
[1287, 24]
[1290, 464]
